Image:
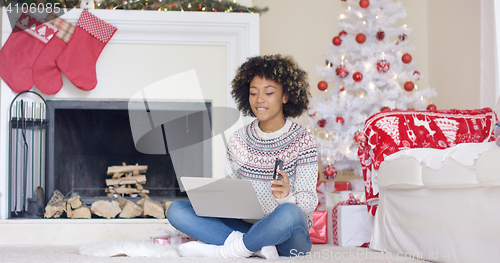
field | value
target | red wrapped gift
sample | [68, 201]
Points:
[318, 232]
[342, 186]
[171, 237]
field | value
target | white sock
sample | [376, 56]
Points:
[268, 252]
[198, 249]
[234, 247]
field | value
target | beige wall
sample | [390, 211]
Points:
[454, 41]
[445, 35]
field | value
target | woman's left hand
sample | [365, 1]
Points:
[281, 188]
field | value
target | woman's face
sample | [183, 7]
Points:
[266, 99]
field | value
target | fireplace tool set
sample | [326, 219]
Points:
[27, 138]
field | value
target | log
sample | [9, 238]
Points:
[75, 202]
[105, 209]
[124, 190]
[152, 208]
[141, 179]
[130, 210]
[122, 201]
[81, 212]
[69, 210]
[127, 169]
[56, 205]
[117, 175]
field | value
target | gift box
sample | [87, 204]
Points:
[354, 225]
[318, 231]
[333, 199]
[171, 237]
[342, 186]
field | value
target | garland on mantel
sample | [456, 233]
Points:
[155, 5]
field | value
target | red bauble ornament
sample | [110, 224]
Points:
[360, 38]
[322, 123]
[357, 76]
[329, 172]
[402, 37]
[385, 109]
[342, 33]
[311, 112]
[380, 35]
[364, 3]
[341, 71]
[383, 65]
[416, 75]
[409, 86]
[337, 41]
[406, 58]
[358, 136]
[322, 85]
[431, 107]
[340, 120]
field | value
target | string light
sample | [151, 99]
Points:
[165, 5]
[341, 16]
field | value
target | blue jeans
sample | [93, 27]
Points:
[286, 228]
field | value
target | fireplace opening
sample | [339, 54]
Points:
[86, 137]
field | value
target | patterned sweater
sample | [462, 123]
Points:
[252, 153]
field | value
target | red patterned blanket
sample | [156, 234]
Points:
[390, 132]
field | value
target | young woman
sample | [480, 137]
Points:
[271, 89]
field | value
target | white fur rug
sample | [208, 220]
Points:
[128, 249]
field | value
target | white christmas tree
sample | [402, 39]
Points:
[368, 69]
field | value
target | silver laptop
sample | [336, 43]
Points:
[223, 197]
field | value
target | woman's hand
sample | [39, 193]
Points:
[281, 188]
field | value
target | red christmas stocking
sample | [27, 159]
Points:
[21, 49]
[78, 60]
[46, 74]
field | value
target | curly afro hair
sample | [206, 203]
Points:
[281, 69]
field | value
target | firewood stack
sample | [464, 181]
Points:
[126, 179]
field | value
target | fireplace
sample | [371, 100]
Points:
[147, 48]
[86, 137]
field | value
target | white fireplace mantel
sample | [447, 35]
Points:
[148, 47]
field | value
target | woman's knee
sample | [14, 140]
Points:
[292, 212]
[176, 210]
